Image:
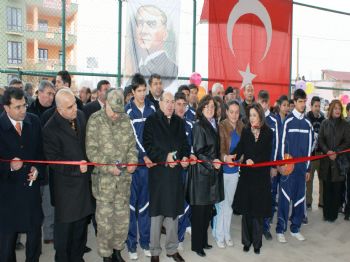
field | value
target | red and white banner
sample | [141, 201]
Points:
[250, 42]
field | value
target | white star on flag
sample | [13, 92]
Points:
[247, 76]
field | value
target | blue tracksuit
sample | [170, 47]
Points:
[273, 122]
[297, 140]
[139, 195]
[184, 219]
[190, 114]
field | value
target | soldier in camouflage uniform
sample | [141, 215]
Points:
[110, 139]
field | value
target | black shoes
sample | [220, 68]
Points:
[257, 251]
[346, 217]
[267, 235]
[207, 246]
[107, 259]
[177, 257]
[117, 257]
[246, 248]
[87, 249]
[201, 253]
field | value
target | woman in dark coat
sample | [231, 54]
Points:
[205, 181]
[334, 136]
[253, 195]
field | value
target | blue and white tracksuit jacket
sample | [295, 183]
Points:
[139, 195]
[298, 141]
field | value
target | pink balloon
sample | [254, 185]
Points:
[195, 79]
[344, 99]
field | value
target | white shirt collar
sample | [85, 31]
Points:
[267, 113]
[297, 114]
[14, 122]
[150, 57]
[101, 104]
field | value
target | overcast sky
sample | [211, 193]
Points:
[324, 37]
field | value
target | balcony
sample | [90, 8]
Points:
[50, 35]
[47, 65]
[54, 7]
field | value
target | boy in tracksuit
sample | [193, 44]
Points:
[272, 122]
[180, 110]
[138, 109]
[297, 140]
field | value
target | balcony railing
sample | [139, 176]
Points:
[54, 30]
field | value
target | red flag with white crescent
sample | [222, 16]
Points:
[250, 42]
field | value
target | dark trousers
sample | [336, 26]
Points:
[70, 240]
[201, 216]
[252, 230]
[8, 245]
[332, 199]
[347, 195]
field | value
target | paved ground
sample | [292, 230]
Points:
[325, 242]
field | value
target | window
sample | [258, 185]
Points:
[43, 26]
[14, 19]
[14, 52]
[43, 54]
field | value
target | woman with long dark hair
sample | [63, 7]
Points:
[205, 180]
[253, 195]
[334, 136]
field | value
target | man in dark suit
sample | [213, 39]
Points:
[155, 89]
[96, 105]
[20, 200]
[62, 80]
[64, 139]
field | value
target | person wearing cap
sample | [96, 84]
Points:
[110, 139]
[64, 140]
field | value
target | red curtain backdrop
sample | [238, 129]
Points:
[249, 42]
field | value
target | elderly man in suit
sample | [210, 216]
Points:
[20, 201]
[64, 139]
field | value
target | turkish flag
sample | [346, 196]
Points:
[250, 41]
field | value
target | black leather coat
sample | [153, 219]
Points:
[204, 184]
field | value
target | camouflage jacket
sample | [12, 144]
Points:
[110, 141]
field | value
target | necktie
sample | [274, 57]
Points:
[19, 128]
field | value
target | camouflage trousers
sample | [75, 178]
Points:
[112, 224]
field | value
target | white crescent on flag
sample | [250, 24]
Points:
[249, 7]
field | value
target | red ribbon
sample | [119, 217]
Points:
[262, 164]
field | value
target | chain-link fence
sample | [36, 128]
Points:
[88, 38]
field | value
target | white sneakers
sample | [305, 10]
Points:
[147, 253]
[281, 238]
[220, 244]
[134, 256]
[229, 243]
[189, 230]
[298, 236]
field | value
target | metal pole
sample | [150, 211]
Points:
[120, 9]
[194, 29]
[63, 34]
[298, 57]
[291, 57]
[322, 8]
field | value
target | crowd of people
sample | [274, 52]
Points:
[162, 163]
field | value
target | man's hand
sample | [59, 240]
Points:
[273, 172]
[307, 176]
[250, 162]
[169, 160]
[131, 169]
[83, 168]
[184, 162]
[16, 165]
[332, 157]
[116, 171]
[148, 162]
[193, 159]
[216, 163]
[33, 175]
